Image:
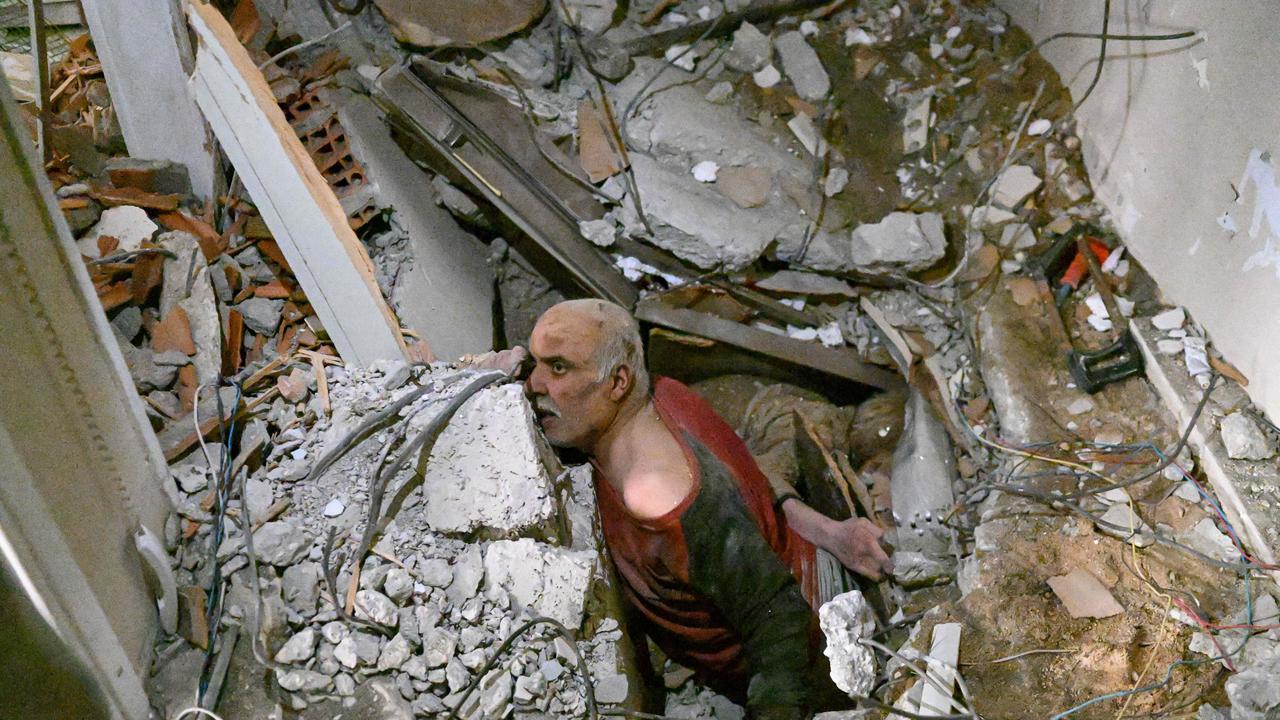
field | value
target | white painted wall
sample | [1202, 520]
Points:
[1171, 127]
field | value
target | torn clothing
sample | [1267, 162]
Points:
[722, 584]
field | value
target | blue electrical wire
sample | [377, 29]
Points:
[213, 603]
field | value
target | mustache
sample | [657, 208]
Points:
[543, 405]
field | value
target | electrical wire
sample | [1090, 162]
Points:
[924, 675]
[199, 711]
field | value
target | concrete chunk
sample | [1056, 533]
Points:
[901, 241]
[551, 581]
[750, 51]
[1014, 186]
[1244, 439]
[802, 66]
[486, 470]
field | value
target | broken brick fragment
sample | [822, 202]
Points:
[173, 332]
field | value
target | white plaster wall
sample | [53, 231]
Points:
[1170, 129]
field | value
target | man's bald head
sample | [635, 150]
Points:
[607, 331]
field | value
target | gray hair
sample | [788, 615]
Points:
[621, 345]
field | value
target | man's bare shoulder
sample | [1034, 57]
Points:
[651, 492]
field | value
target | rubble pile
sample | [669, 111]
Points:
[487, 533]
[877, 181]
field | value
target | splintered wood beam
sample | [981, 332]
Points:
[839, 362]
[304, 216]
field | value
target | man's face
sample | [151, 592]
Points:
[572, 405]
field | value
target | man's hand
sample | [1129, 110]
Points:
[856, 544]
[511, 361]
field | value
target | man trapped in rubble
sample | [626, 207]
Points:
[721, 582]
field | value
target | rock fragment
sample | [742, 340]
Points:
[845, 620]
[298, 648]
[901, 241]
[1084, 596]
[129, 225]
[1244, 439]
[373, 605]
[281, 543]
[802, 66]
[750, 51]
[1014, 185]
[462, 22]
[261, 315]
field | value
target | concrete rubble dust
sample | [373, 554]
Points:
[879, 179]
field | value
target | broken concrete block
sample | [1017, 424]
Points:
[281, 543]
[373, 605]
[766, 77]
[147, 374]
[304, 681]
[901, 241]
[750, 51]
[261, 315]
[1170, 319]
[914, 570]
[802, 66]
[612, 689]
[845, 620]
[697, 223]
[157, 176]
[1244, 439]
[395, 653]
[807, 133]
[468, 572]
[438, 647]
[258, 496]
[1253, 691]
[299, 648]
[300, 588]
[923, 474]
[720, 93]
[1017, 236]
[1126, 525]
[591, 16]
[129, 225]
[705, 171]
[398, 586]
[1014, 185]
[1208, 539]
[836, 180]
[187, 285]
[1084, 596]
[486, 470]
[551, 581]
[600, 233]
[462, 22]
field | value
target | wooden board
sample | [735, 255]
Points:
[299, 207]
[841, 362]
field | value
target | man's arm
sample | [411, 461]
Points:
[855, 542]
[731, 563]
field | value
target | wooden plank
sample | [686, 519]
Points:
[504, 167]
[146, 57]
[297, 204]
[840, 362]
[943, 658]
